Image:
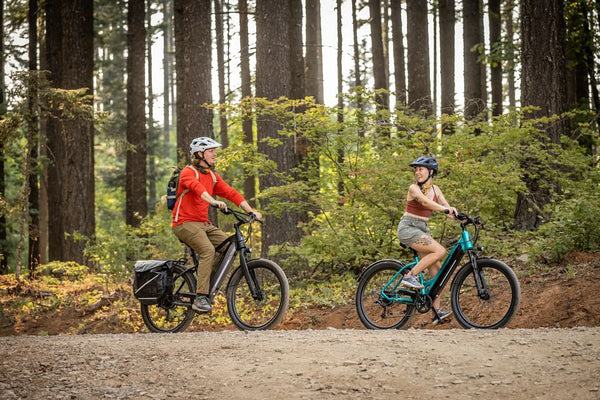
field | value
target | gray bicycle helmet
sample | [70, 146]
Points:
[424, 161]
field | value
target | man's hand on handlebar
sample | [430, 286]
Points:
[219, 204]
[257, 216]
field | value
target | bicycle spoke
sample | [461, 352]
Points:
[493, 307]
[375, 310]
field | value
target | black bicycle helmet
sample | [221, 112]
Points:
[424, 161]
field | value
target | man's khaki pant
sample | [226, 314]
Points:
[203, 237]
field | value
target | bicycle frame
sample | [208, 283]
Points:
[433, 286]
[234, 244]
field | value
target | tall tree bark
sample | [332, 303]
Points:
[398, 46]
[495, 24]
[249, 179]
[356, 46]
[419, 83]
[34, 255]
[167, 64]
[221, 67]
[447, 58]
[510, 54]
[295, 50]
[474, 101]
[193, 56]
[43, 179]
[378, 56]
[543, 85]
[153, 135]
[4, 248]
[340, 88]
[136, 206]
[273, 80]
[314, 51]
[69, 41]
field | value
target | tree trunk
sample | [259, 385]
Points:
[295, 49]
[340, 88]
[419, 83]
[314, 51]
[221, 67]
[4, 248]
[193, 50]
[447, 58]
[273, 80]
[34, 205]
[356, 47]
[543, 85]
[495, 23]
[474, 102]
[70, 50]
[398, 46]
[249, 179]
[510, 54]
[135, 180]
[153, 136]
[378, 56]
[167, 64]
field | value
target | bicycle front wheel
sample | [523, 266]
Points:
[374, 310]
[175, 313]
[271, 304]
[497, 302]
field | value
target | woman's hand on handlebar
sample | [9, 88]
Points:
[451, 212]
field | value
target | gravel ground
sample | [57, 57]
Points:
[309, 364]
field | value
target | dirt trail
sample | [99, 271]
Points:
[310, 364]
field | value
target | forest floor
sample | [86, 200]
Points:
[550, 351]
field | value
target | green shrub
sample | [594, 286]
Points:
[64, 270]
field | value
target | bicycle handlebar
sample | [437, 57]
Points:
[243, 217]
[464, 217]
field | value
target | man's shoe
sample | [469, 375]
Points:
[440, 316]
[201, 304]
[412, 282]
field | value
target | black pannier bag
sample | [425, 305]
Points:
[153, 280]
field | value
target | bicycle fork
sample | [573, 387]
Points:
[478, 278]
[250, 276]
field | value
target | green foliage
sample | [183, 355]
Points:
[118, 246]
[575, 225]
[64, 270]
[335, 291]
[354, 187]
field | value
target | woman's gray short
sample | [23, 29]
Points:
[410, 229]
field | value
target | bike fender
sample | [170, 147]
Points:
[399, 263]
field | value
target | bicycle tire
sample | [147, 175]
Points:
[374, 311]
[250, 314]
[493, 310]
[175, 313]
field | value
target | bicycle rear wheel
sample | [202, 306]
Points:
[374, 310]
[248, 313]
[498, 302]
[175, 313]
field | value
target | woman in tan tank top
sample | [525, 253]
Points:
[422, 199]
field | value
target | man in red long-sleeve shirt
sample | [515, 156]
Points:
[197, 184]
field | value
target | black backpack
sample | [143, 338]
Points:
[153, 281]
[174, 182]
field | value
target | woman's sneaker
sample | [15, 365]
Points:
[440, 316]
[201, 304]
[412, 282]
